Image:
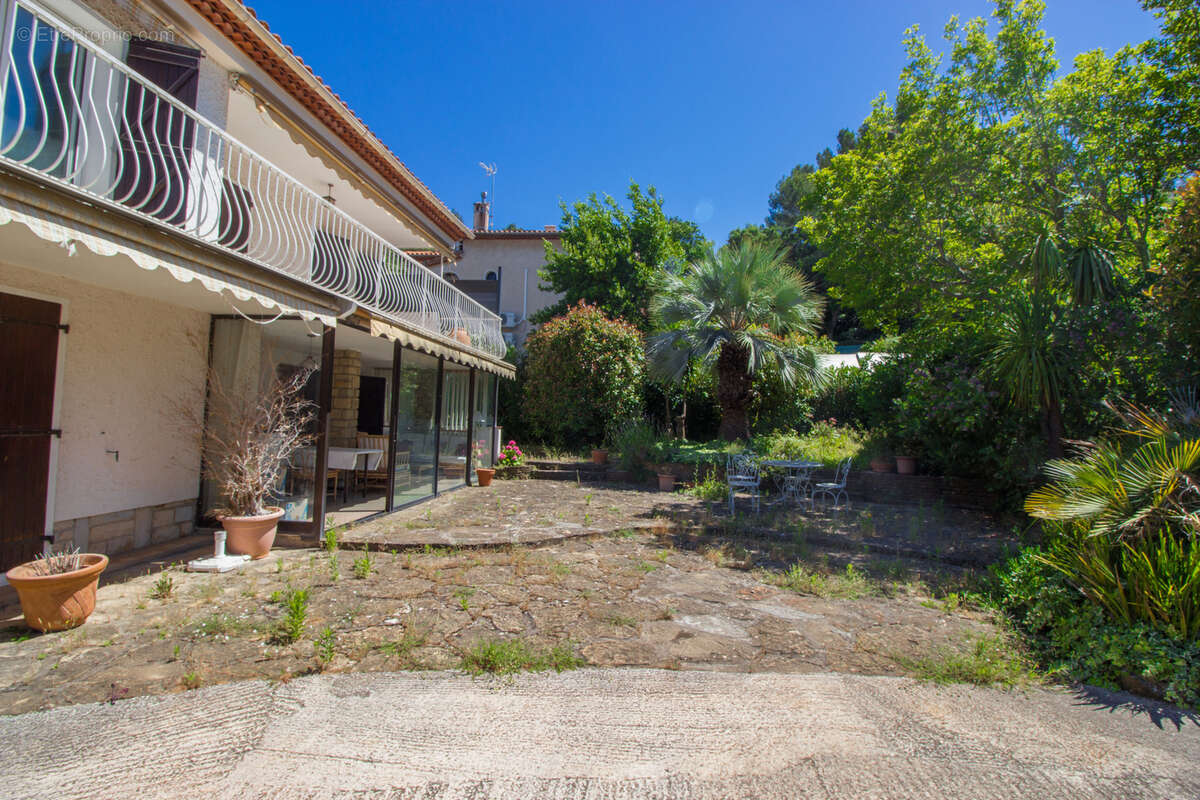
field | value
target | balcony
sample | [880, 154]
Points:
[78, 118]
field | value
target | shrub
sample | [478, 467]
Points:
[635, 440]
[863, 397]
[1073, 637]
[825, 442]
[950, 420]
[584, 373]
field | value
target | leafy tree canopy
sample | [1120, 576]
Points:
[925, 221]
[610, 255]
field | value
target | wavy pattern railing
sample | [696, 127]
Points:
[77, 116]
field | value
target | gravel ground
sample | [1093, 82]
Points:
[612, 733]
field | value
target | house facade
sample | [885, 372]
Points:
[499, 268]
[183, 202]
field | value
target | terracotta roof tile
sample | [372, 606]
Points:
[218, 13]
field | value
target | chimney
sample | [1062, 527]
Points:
[482, 212]
[550, 228]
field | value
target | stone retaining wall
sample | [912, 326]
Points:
[119, 531]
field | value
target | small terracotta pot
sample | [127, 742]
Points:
[882, 465]
[252, 536]
[906, 465]
[599, 456]
[461, 335]
[484, 475]
[666, 482]
[58, 602]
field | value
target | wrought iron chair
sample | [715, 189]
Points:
[742, 475]
[836, 490]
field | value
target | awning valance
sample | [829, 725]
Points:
[429, 345]
[69, 233]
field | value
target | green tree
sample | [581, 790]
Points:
[610, 256]
[731, 311]
[1177, 290]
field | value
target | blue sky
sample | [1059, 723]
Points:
[711, 102]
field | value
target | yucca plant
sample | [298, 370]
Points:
[1127, 517]
[1028, 358]
[732, 311]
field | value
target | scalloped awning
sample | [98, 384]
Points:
[418, 341]
[58, 229]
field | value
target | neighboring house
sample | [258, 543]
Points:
[177, 189]
[499, 268]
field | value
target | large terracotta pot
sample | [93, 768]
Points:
[251, 536]
[58, 602]
[599, 456]
[906, 465]
[484, 475]
[666, 482]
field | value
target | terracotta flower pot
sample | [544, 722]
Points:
[882, 465]
[599, 456]
[906, 465]
[461, 335]
[252, 536]
[484, 475]
[58, 602]
[666, 482]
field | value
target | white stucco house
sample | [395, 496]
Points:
[499, 268]
[178, 190]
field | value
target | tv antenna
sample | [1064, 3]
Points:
[490, 171]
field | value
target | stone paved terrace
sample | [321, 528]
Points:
[645, 579]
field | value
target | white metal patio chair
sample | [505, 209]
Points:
[742, 475]
[836, 490]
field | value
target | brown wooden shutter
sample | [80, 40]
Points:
[157, 139]
[29, 332]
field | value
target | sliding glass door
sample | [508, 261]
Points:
[416, 427]
[456, 394]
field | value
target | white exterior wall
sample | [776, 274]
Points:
[518, 257]
[129, 363]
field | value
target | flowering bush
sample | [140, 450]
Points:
[510, 456]
[584, 373]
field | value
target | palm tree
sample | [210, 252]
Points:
[732, 311]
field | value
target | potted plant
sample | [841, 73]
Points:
[666, 481]
[246, 448]
[58, 591]
[599, 456]
[879, 455]
[483, 475]
[906, 465]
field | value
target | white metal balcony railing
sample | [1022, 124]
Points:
[76, 116]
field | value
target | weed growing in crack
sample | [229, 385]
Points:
[295, 612]
[324, 646]
[164, 587]
[508, 656]
[363, 565]
[464, 594]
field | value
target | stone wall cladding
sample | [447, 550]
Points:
[119, 531]
[343, 415]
